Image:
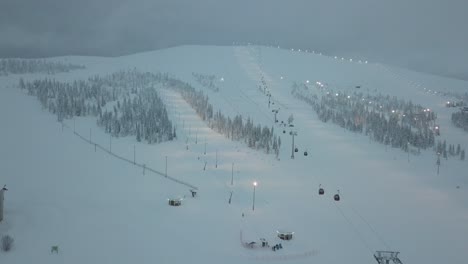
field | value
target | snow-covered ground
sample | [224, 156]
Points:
[100, 209]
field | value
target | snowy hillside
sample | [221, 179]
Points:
[96, 188]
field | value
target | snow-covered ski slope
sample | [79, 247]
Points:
[100, 209]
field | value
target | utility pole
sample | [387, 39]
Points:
[293, 134]
[90, 135]
[166, 166]
[438, 162]
[253, 200]
[407, 147]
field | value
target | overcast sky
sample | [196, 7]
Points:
[425, 35]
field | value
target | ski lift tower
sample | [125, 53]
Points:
[293, 133]
[1, 201]
[384, 257]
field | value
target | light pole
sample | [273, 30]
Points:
[407, 147]
[253, 201]
[232, 174]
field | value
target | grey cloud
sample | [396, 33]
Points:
[426, 35]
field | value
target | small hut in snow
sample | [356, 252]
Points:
[285, 235]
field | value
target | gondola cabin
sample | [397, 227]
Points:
[305, 153]
[336, 197]
[321, 190]
[175, 202]
[296, 150]
[285, 235]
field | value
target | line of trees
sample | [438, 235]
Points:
[255, 136]
[125, 103]
[452, 151]
[385, 119]
[460, 119]
[142, 114]
[23, 66]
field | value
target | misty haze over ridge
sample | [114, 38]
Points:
[427, 36]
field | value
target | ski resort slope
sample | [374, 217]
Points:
[101, 209]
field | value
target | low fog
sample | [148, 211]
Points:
[423, 35]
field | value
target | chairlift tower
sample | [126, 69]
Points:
[293, 133]
[275, 111]
[2, 190]
[384, 257]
